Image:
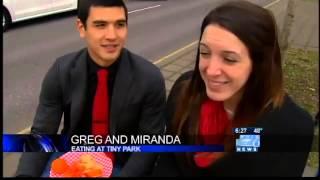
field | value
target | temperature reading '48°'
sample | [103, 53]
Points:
[257, 130]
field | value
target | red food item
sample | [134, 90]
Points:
[83, 164]
[94, 173]
[69, 173]
[77, 169]
[59, 166]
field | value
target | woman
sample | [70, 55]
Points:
[237, 82]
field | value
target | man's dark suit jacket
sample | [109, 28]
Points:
[137, 106]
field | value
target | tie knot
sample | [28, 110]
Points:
[102, 74]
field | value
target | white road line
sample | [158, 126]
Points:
[175, 52]
[274, 2]
[137, 10]
[25, 131]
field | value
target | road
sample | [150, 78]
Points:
[30, 48]
[156, 28]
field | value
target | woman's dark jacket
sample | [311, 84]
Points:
[286, 141]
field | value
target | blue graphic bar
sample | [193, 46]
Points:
[34, 143]
[58, 143]
[149, 148]
[182, 148]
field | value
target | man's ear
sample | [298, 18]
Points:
[81, 28]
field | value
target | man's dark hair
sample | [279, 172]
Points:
[84, 7]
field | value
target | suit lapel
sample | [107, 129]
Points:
[120, 90]
[78, 89]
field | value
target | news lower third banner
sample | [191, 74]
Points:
[245, 140]
[90, 143]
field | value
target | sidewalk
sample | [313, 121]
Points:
[305, 28]
[176, 65]
[304, 34]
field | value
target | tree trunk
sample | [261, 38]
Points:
[286, 29]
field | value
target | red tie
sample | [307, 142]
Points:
[100, 113]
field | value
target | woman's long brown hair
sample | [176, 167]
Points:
[256, 28]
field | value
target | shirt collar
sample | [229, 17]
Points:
[94, 67]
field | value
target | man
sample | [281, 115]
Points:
[135, 88]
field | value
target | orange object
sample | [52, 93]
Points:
[85, 166]
[59, 166]
[76, 169]
[69, 173]
[94, 173]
